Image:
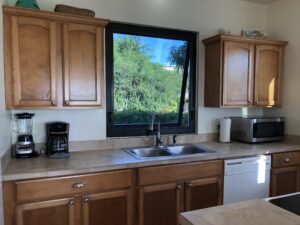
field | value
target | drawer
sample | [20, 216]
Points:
[285, 159]
[72, 185]
[179, 172]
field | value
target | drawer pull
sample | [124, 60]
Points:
[71, 202]
[78, 185]
[287, 160]
[189, 185]
[53, 103]
[86, 200]
[67, 103]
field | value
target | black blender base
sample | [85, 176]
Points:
[26, 156]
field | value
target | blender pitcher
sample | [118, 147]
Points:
[23, 124]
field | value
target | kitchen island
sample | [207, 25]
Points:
[254, 212]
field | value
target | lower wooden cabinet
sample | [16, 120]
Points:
[284, 180]
[58, 212]
[160, 204]
[165, 191]
[203, 193]
[111, 208]
[93, 199]
[285, 173]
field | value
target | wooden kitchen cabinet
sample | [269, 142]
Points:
[243, 72]
[285, 173]
[268, 75]
[93, 199]
[83, 65]
[160, 204]
[165, 191]
[203, 193]
[58, 212]
[111, 208]
[33, 62]
[52, 59]
[238, 73]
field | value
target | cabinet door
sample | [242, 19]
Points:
[268, 75]
[284, 181]
[111, 208]
[203, 193]
[83, 65]
[34, 49]
[238, 73]
[58, 212]
[160, 204]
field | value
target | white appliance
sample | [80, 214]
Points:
[246, 178]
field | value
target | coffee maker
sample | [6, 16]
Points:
[23, 126]
[57, 140]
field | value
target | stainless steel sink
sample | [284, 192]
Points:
[186, 150]
[165, 151]
[148, 152]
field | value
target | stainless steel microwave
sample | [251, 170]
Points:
[257, 129]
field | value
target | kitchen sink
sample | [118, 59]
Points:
[186, 150]
[165, 151]
[148, 152]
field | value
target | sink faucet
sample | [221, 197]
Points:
[158, 141]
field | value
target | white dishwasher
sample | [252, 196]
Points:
[246, 178]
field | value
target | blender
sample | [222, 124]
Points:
[23, 126]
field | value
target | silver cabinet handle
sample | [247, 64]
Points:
[287, 160]
[189, 185]
[86, 200]
[179, 187]
[53, 103]
[71, 202]
[78, 185]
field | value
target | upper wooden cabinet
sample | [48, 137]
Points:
[83, 64]
[53, 59]
[243, 72]
[268, 75]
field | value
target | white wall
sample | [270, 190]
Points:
[204, 16]
[282, 19]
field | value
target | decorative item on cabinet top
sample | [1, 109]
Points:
[36, 45]
[73, 10]
[243, 72]
[31, 4]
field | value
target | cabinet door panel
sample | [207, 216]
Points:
[83, 65]
[112, 208]
[160, 204]
[203, 193]
[268, 75]
[238, 74]
[285, 181]
[58, 212]
[34, 49]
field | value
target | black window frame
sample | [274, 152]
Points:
[189, 71]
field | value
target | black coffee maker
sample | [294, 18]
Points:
[57, 140]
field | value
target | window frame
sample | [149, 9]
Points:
[156, 32]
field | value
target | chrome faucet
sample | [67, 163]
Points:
[158, 141]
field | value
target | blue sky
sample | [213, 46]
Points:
[159, 47]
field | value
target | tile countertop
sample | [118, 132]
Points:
[105, 160]
[254, 212]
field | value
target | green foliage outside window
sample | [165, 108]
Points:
[142, 87]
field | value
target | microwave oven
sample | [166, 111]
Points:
[257, 129]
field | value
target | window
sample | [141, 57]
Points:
[149, 71]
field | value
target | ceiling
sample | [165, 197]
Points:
[261, 1]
